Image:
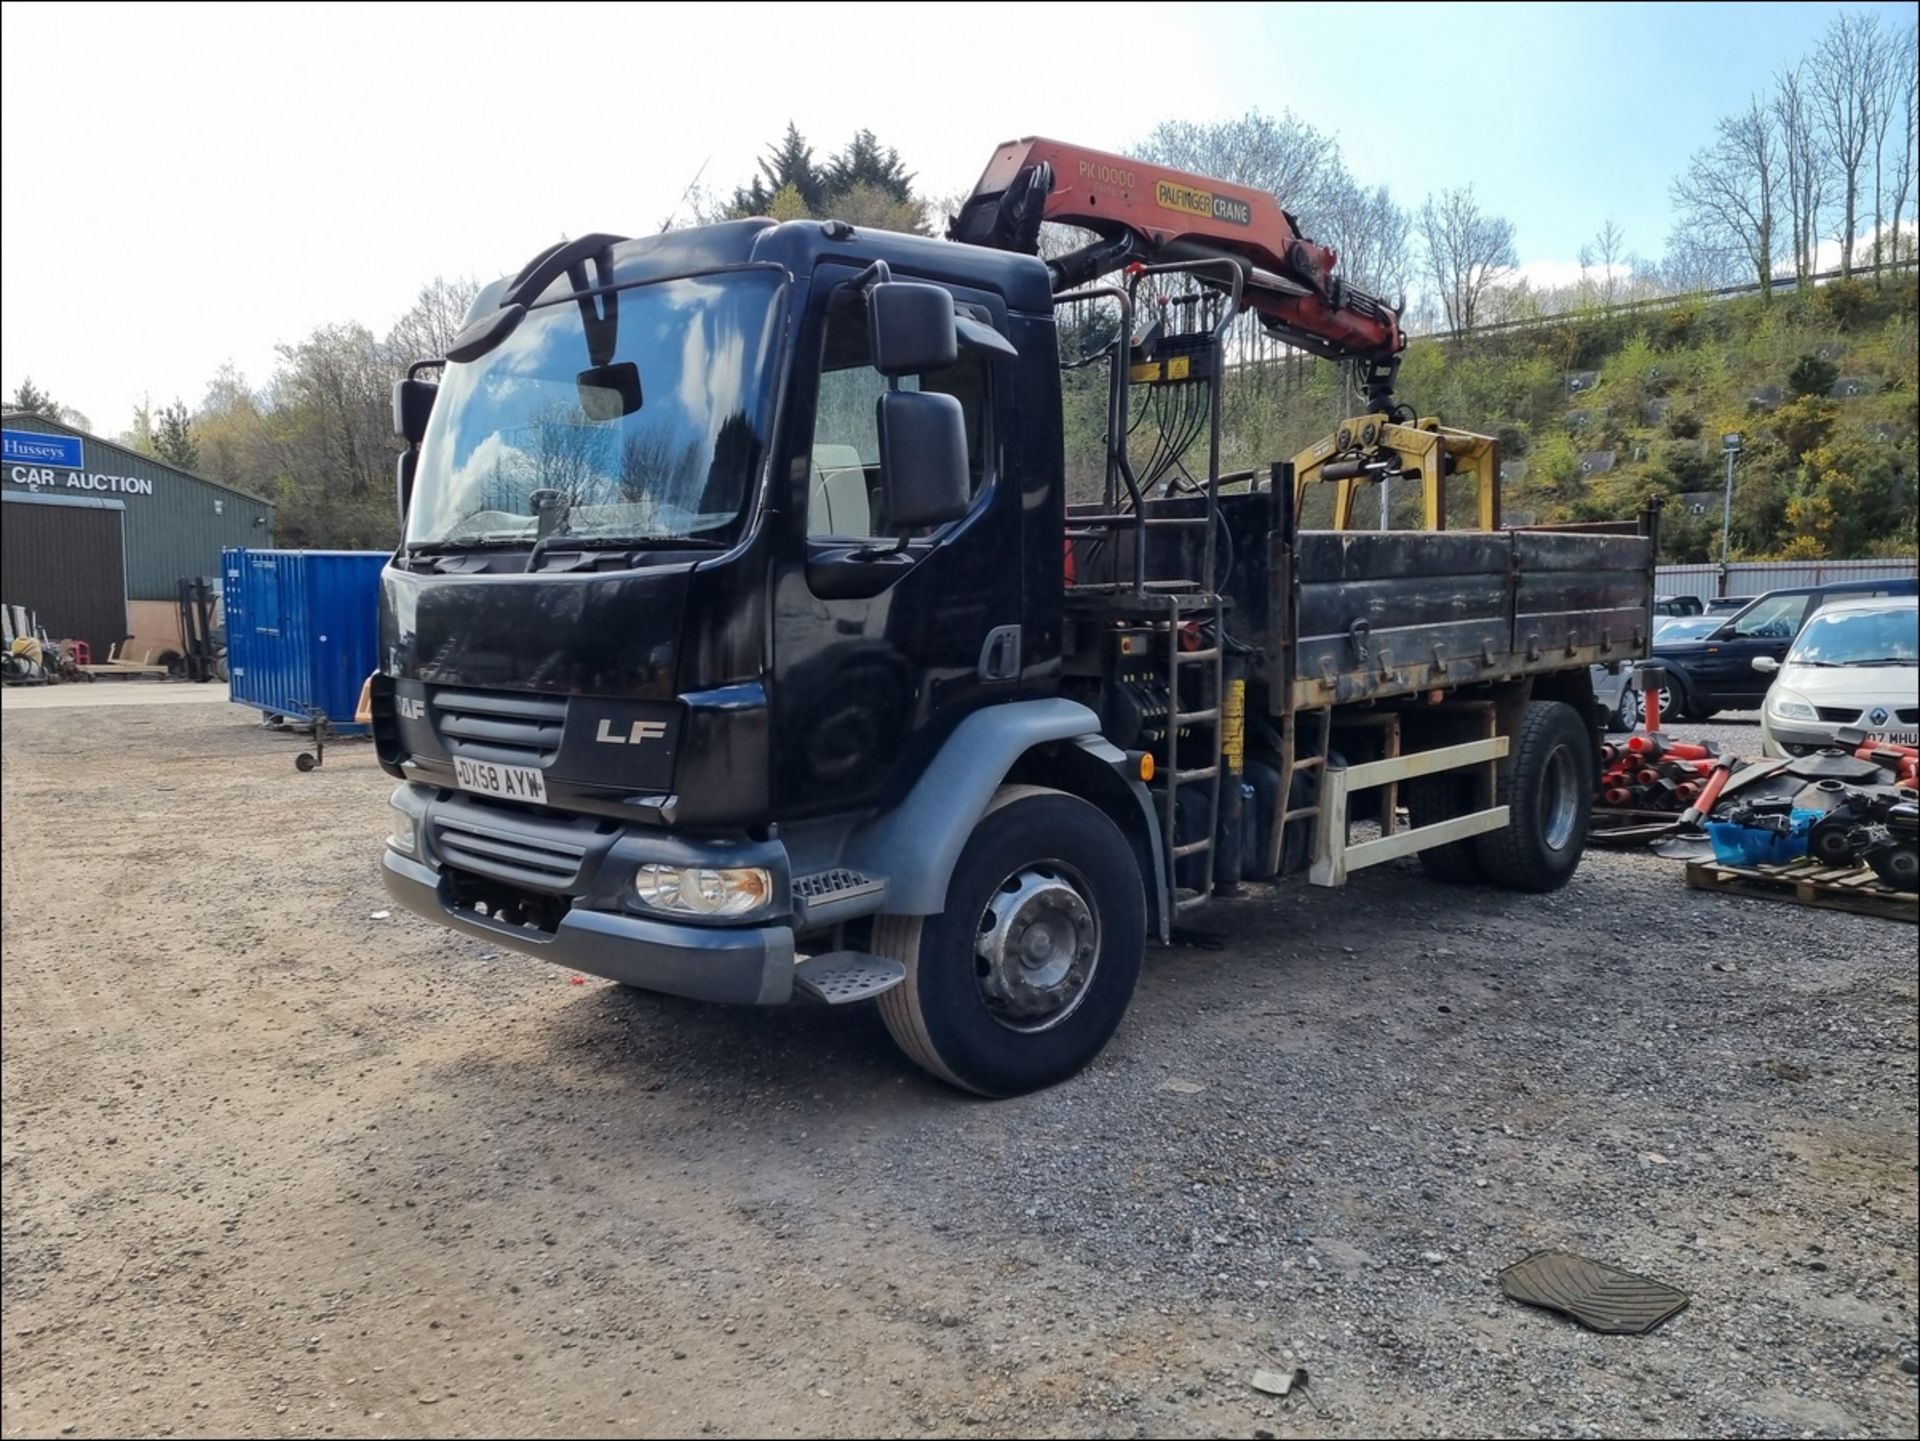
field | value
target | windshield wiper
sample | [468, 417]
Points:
[487, 540]
[615, 542]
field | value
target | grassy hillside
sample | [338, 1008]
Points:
[1599, 410]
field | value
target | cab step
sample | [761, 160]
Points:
[840, 978]
[827, 897]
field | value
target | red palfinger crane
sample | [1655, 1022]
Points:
[1152, 214]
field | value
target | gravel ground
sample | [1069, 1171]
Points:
[279, 1163]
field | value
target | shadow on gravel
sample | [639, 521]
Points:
[796, 1064]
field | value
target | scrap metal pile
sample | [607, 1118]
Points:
[1854, 805]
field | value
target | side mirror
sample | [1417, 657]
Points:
[923, 458]
[910, 328]
[412, 405]
[1765, 664]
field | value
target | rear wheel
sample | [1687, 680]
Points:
[1546, 781]
[1025, 975]
[1675, 699]
[1438, 798]
[1626, 710]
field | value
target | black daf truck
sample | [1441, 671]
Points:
[742, 644]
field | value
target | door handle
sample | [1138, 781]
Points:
[1000, 653]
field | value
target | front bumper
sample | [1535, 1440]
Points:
[594, 926]
[746, 965]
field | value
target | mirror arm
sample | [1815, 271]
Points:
[878, 273]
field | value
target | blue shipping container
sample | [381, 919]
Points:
[302, 629]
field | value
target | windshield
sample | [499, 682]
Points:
[1684, 627]
[1860, 637]
[511, 455]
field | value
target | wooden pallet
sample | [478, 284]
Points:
[1808, 883]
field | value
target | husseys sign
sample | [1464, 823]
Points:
[59, 462]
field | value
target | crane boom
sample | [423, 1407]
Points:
[1151, 214]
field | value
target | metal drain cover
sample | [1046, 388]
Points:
[842, 977]
[1599, 1297]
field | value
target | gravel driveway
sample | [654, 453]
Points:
[277, 1162]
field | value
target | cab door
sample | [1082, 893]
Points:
[884, 640]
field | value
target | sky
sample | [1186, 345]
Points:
[183, 186]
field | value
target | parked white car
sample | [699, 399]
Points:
[1855, 664]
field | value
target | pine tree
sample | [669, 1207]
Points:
[789, 163]
[173, 440]
[866, 162]
[34, 401]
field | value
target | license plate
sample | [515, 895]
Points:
[1893, 738]
[514, 783]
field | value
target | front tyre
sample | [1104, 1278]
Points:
[1547, 782]
[1025, 975]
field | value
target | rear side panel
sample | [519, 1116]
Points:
[1394, 613]
[1579, 590]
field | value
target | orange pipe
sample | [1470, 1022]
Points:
[1710, 797]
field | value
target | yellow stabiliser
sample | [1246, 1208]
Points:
[1371, 448]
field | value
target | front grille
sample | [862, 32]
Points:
[1909, 715]
[501, 726]
[1844, 714]
[545, 853]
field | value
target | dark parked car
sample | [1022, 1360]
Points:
[1678, 605]
[1714, 672]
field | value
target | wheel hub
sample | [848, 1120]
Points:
[1038, 944]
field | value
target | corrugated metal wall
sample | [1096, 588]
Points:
[60, 556]
[177, 531]
[1752, 577]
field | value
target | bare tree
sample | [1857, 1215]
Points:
[1906, 82]
[1284, 156]
[1803, 158]
[429, 326]
[1468, 253]
[1727, 195]
[1611, 244]
[1893, 100]
[1845, 82]
[1371, 235]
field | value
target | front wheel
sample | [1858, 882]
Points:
[1025, 975]
[1546, 781]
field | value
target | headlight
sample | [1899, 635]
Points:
[402, 837]
[703, 890]
[1788, 706]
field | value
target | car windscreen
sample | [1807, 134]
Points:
[1860, 637]
[662, 441]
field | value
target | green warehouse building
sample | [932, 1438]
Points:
[96, 538]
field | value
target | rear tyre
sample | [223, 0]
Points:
[1675, 699]
[1546, 781]
[1025, 975]
[1439, 798]
[1626, 710]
